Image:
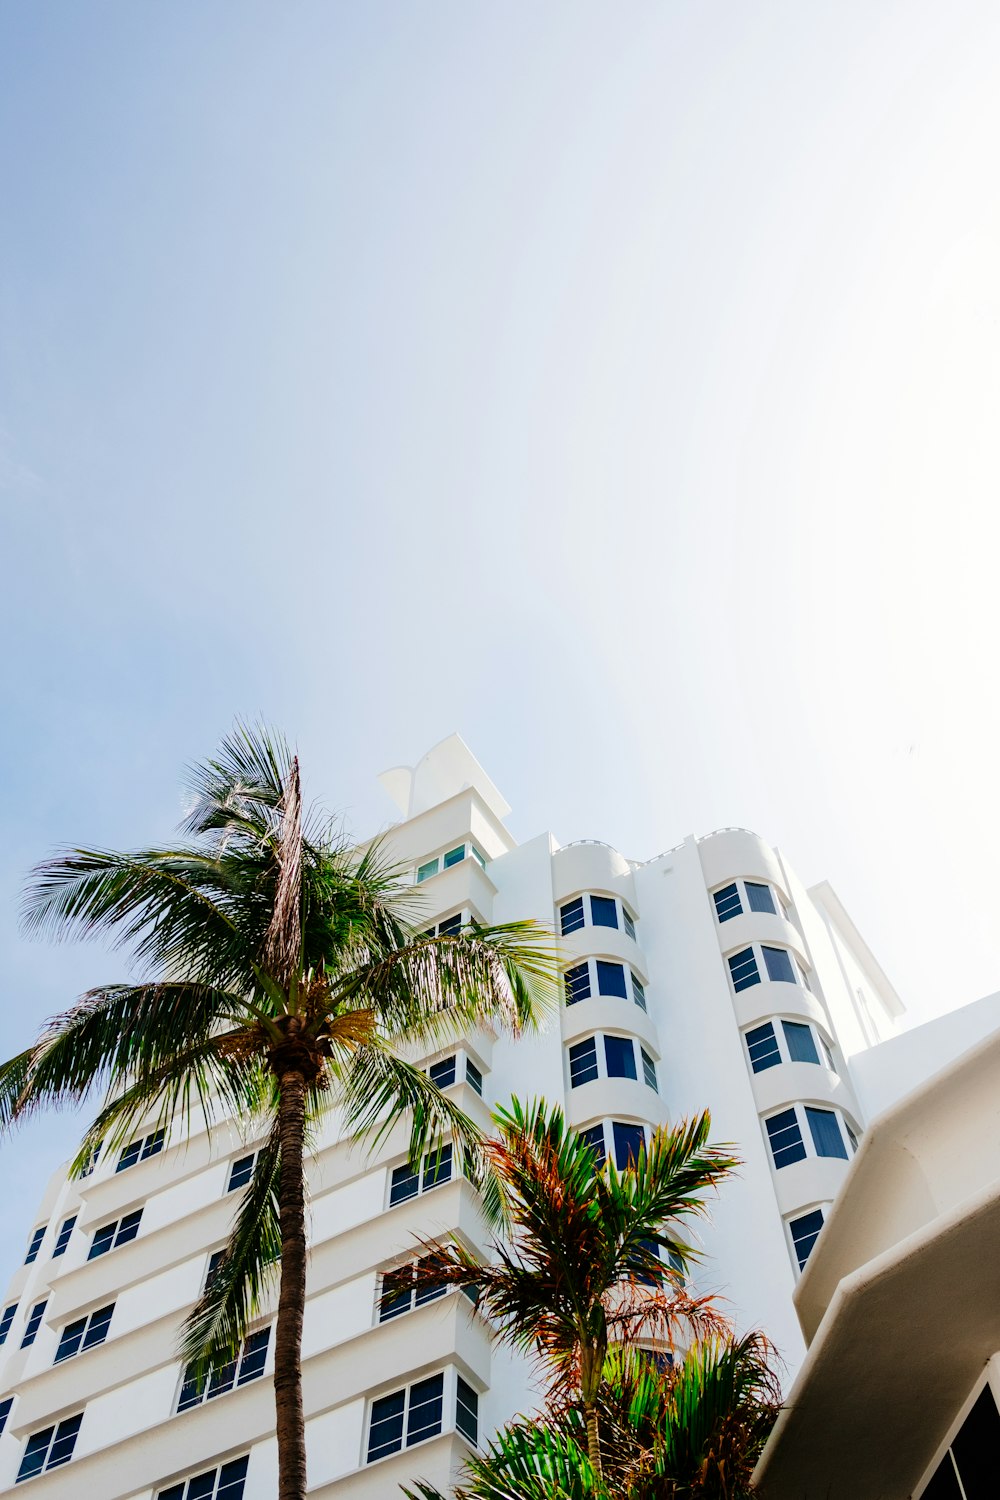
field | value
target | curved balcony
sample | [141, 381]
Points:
[602, 942]
[615, 1099]
[761, 927]
[609, 1013]
[798, 1082]
[736, 851]
[817, 1179]
[591, 867]
[772, 997]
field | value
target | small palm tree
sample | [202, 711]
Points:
[284, 977]
[582, 1267]
[693, 1432]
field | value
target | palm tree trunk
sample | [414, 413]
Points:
[291, 1427]
[593, 1439]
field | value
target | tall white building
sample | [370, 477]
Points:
[705, 976]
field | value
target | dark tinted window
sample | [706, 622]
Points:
[629, 1141]
[611, 979]
[804, 1234]
[801, 1044]
[727, 902]
[759, 897]
[443, 1073]
[577, 981]
[762, 1045]
[825, 1132]
[604, 911]
[571, 916]
[582, 1062]
[619, 1055]
[785, 1137]
[743, 968]
[977, 1449]
[779, 964]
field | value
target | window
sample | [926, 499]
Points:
[91, 1161]
[804, 1232]
[603, 911]
[5, 1406]
[249, 1365]
[477, 856]
[778, 962]
[648, 1070]
[454, 857]
[785, 1138]
[473, 1077]
[571, 917]
[629, 1141]
[448, 859]
[628, 921]
[139, 1150]
[594, 1137]
[6, 1321]
[408, 1416]
[49, 1448]
[743, 969]
[64, 1234]
[727, 902]
[619, 1057]
[825, 1132]
[437, 1167]
[224, 1483]
[759, 897]
[214, 1262]
[851, 1136]
[241, 1172]
[450, 926]
[84, 1333]
[582, 1062]
[36, 1245]
[110, 1236]
[762, 1045]
[968, 1469]
[33, 1324]
[400, 1293]
[467, 1411]
[800, 1042]
[611, 979]
[424, 872]
[638, 992]
[405, 1181]
[577, 982]
[828, 1054]
[444, 1073]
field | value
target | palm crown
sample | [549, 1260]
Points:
[582, 1268]
[281, 972]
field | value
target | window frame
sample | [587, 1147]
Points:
[804, 1125]
[782, 1052]
[581, 906]
[180, 1489]
[130, 1221]
[35, 1244]
[54, 1435]
[7, 1320]
[404, 1273]
[239, 1162]
[86, 1325]
[758, 951]
[742, 885]
[582, 981]
[800, 1216]
[143, 1147]
[420, 1175]
[64, 1235]
[234, 1372]
[436, 864]
[33, 1322]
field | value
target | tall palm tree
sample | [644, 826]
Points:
[692, 1432]
[283, 975]
[581, 1266]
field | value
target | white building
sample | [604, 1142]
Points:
[705, 976]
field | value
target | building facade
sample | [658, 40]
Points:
[707, 976]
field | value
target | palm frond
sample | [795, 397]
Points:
[216, 1326]
[117, 1034]
[377, 1089]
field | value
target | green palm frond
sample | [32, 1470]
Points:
[526, 1461]
[215, 1327]
[434, 989]
[115, 1035]
[377, 1089]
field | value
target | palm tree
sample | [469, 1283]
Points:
[283, 976]
[582, 1267]
[693, 1432]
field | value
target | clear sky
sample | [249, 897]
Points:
[617, 385]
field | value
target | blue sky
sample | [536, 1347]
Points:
[615, 386]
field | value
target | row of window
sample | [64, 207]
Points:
[447, 859]
[746, 895]
[400, 1292]
[119, 1233]
[827, 1129]
[53, 1447]
[599, 911]
[448, 1069]
[601, 976]
[619, 1056]
[416, 1412]
[779, 964]
[798, 1043]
